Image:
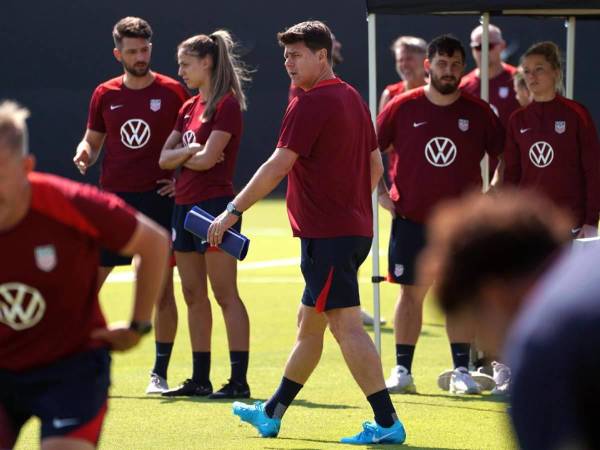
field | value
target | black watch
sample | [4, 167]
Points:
[231, 209]
[141, 328]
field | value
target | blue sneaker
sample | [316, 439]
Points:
[256, 416]
[375, 434]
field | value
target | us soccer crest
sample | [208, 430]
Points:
[45, 257]
[560, 126]
[463, 124]
[398, 270]
[503, 91]
[155, 104]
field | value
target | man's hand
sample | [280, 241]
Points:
[118, 336]
[386, 203]
[219, 226]
[82, 160]
[167, 188]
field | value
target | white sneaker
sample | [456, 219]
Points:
[486, 382]
[157, 385]
[461, 382]
[444, 379]
[367, 319]
[400, 381]
[502, 377]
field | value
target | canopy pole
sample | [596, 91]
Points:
[376, 279]
[484, 76]
[570, 82]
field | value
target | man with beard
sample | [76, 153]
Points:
[439, 136]
[132, 115]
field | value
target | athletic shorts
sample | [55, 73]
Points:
[407, 239]
[158, 207]
[330, 268]
[183, 240]
[68, 396]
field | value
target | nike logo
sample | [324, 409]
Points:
[381, 438]
[62, 423]
[113, 107]
[160, 355]
[418, 124]
[575, 230]
[524, 130]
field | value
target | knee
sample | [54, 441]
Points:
[166, 301]
[343, 330]
[194, 295]
[226, 297]
[411, 297]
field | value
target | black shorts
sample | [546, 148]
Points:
[183, 240]
[330, 267]
[68, 396]
[158, 207]
[407, 239]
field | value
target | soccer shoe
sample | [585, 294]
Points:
[484, 381]
[443, 380]
[189, 388]
[400, 381]
[375, 434]
[256, 416]
[461, 382]
[502, 377]
[367, 319]
[233, 389]
[157, 385]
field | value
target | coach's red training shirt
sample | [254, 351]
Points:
[395, 89]
[438, 148]
[48, 271]
[329, 187]
[502, 91]
[195, 186]
[552, 147]
[137, 123]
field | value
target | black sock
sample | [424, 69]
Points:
[385, 414]
[282, 398]
[163, 356]
[404, 355]
[460, 354]
[201, 367]
[239, 366]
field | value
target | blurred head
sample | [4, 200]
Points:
[409, 53]
[15, 161]
[496, 45]
[210, 63]
[445, 63]
[133, 48]
[485, 253]
[542, 69]
[522, 94]
[307, 52]
[336, 51]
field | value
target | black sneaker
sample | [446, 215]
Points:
[233, 389]
[189, 388]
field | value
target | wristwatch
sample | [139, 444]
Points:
[141, 328]
[231, 209]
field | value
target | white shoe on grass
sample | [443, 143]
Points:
[157, 385]
[502, 377]
[486, 382]
[400, 381]
[461, 382]
[367, 319]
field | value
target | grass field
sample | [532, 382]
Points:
[330, 405]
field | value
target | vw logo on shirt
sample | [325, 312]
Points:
[541, 154]
[135, 133]
[21, 306]
[440, 151]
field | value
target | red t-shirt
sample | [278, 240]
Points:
[196, 186]
[553, 147]
[501, 93]
[137, 123]
[395, 89]
[438, 148]
[48, 275]
[329, 187]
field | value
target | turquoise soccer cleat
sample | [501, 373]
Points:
[375, 434]
[256, 416]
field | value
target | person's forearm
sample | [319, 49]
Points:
[171, 159]
[381, 187]
[85, 146]
[376, 169]
[266, 178]
[201, 161]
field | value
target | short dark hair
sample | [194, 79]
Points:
[131, 27]
[480, 238]
[445, 45]
[314, 33]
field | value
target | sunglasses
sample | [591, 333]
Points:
[491, 46]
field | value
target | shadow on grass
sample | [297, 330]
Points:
[468, 398]
[297, 403]
[453, 406]
[325, 441]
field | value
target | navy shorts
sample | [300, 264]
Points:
[183, 240]
[68, 396]
[407, 240]
[158, 207]
[330, 268]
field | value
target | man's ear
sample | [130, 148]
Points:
[117, 54]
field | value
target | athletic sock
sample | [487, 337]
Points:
[404, 355]
[201, 367]
[239, 366]
[385, 414]
[460, 354]
[163, 356]
[282, 398]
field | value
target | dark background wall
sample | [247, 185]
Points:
[53, 54]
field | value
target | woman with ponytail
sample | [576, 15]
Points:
[204, 147]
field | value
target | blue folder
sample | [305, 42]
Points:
[197, 222]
